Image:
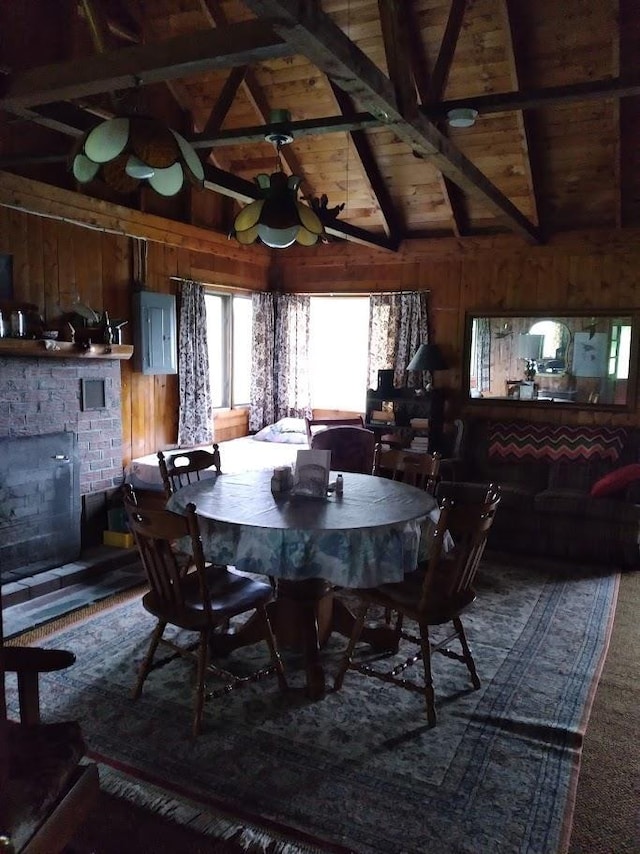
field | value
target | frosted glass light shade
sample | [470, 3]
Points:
[127, 150]
[278, 219]
[462, 117]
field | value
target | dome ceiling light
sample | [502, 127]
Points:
[462, 117]
[125, 151]
[278, 219]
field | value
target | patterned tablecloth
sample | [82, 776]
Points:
[373, 534]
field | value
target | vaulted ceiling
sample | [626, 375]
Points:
[368, 85]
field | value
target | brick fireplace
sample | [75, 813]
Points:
[41, 397]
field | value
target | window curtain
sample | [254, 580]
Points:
[262, 409]
[398, 324]
[280, 360]
[291, 358]
[195, 425]
[483, 354]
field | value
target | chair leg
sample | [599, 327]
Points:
[466, 652]
[203, 662]
[145, 667]
[361, 615]
[273, 649]
[429, 694]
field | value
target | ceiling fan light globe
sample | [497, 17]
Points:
[246, 237]
[309, 219]
[306, 238]
[248, 216]
[277, 238]
[84, 170]
[193, 165]
[107, 141]
[167, 182]
[136, 168]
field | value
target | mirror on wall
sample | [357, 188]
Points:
[572, 359]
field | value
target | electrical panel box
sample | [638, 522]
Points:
[156, 347]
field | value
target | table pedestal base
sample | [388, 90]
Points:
[303, 616]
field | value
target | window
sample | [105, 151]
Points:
[338, 351]
[229, 326]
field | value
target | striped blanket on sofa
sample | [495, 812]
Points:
[518, 441]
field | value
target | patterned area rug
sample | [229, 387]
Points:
[360, 771]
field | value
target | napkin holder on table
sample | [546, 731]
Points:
[312, 474]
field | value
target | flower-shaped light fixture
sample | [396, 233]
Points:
[277, 218]
[127, 150]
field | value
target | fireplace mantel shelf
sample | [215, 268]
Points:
[63, 349]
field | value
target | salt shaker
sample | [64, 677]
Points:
[276, 481]
[339, 485]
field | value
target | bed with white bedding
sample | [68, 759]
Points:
[275, 445]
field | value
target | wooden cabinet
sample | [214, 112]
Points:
[405, 404]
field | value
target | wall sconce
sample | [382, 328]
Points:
[127, 150]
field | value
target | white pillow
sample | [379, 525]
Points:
[287, 431]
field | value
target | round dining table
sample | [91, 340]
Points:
[372, 534]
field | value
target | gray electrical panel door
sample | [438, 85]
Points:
[156, 349]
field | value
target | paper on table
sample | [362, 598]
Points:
[312, 473]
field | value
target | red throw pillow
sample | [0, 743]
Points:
[616, 480]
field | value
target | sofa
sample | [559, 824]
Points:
[567, 491]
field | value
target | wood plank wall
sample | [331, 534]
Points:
[56, 263]
[581, 271]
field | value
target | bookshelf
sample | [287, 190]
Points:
[400, 405]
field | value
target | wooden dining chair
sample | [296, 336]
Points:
[421, 470]
[202, 601]
[184, 467]
[352, 448]
[316, 425]
[46, 788]
[433, 595]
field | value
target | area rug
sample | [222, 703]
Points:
[360, 771]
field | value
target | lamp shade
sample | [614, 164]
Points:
[428, 357]
[127, 150]
[277, 219]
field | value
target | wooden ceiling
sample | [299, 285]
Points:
[368, 84]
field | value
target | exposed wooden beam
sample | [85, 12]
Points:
[360, 143]
[246, 191]
[396, 49]
[428, 91]
[252, 90]
[306, 127]
[535, 99]
[442, 68]
[312, 33]
[515, 34]
[135, 65]
[226, 98]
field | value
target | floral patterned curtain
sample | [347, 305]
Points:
[195, 425]
[291, 359]
[262, 409]
[398, 324]
[483, 354]
[280, 360]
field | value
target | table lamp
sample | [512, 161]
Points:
[529, 348]
[428, 357]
